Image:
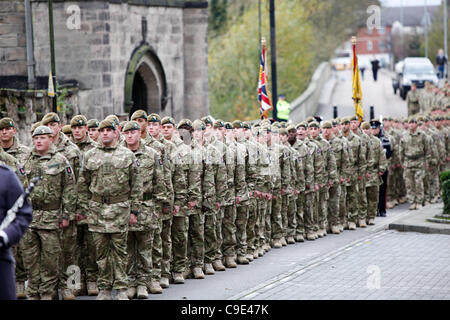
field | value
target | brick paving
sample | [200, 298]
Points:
[410, 266]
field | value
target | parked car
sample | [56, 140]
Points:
[415, 70]
[342, 60]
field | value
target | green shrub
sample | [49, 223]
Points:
[445, 175]
[446, 195]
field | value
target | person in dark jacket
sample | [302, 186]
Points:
[10, 190]
[375, 66]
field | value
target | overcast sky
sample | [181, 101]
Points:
[409, 3]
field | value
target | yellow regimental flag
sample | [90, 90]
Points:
[51, 88]
[356, 84]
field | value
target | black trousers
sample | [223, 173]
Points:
[382, 193]
[7, 281]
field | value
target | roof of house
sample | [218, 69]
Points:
[412, 16]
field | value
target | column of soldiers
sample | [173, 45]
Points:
[139, 205]
[430, 98]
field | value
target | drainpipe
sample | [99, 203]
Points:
[29, 36]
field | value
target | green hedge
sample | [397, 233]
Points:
[445, 179]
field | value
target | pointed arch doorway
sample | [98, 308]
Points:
[145, 82]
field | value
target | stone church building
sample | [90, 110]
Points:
[117, 55]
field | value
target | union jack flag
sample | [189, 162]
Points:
[265, 103]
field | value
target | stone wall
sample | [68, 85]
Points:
[97, 55]
[28, 107]
[12, 39]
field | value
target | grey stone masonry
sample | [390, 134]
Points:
[12, 38]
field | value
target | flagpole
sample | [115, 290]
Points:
[273, 56]
[52, 52]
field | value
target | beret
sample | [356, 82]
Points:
[228, 125]
[113, 118]
[302, 124]
[345, 120]
[309, 119]
[185, 123]
[198, 125]
[67, 129]
[207, 120]
[78, 121]
[247, 125]
[108, 123]
[7, 123]
[219, 124]
[237, 124]
[275, 129]
[266, 129]
[290, 127]
[327, 124]
[50, 117]
[139, 114]
[154, 117]
[93, 123]
[41, 130]
[335, 122]
[354, 118]
[375, 123]
[168, 120]
[365, 125]
[34, 126]
[131, 125]
[313, 124]
[283, 131]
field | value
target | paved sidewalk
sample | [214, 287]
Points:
[388, 266]
[416, 221]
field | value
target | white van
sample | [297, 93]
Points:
[416, 70]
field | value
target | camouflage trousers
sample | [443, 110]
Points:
[219, 235]
[333, 205]
[241, 230]
[291, 216]
[111, 256]
[268, 223]
[362, 200]
[276, 219]
[343, 205]
[69, 244]
[210, 237]
[321, 208]
[260, 222]
[401, 182]
[139, 253]
[372, 193]
[197, 230]
[435, 182]
[162, 250]
[284, 214]
[431, 183]
[352, 201]
[179, 243]
[308, 212]
[229, 231]
[85, 254]
[300, 224]
[393, 186]
[20, 271]
[43, 260]
[251, 225]
[414, 184]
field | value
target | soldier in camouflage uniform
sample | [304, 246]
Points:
[341, 157]
[140, 234]
[69, 234]
[358, 156]
[241, 182]
[182, 161]
[415, 155]
[92, 125]
[10, 143]
[214, 184]
[439, 142]
[325, 167]
[304, 173]
[228, 223]
[110, 194]
[310, 184]
[376, 165]
[288, 182]
[53, 201]
[412, 100]
[67, 130]
[140, 116]
[219, 142]
[251, 178]
[162, 242]
[85, 249]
